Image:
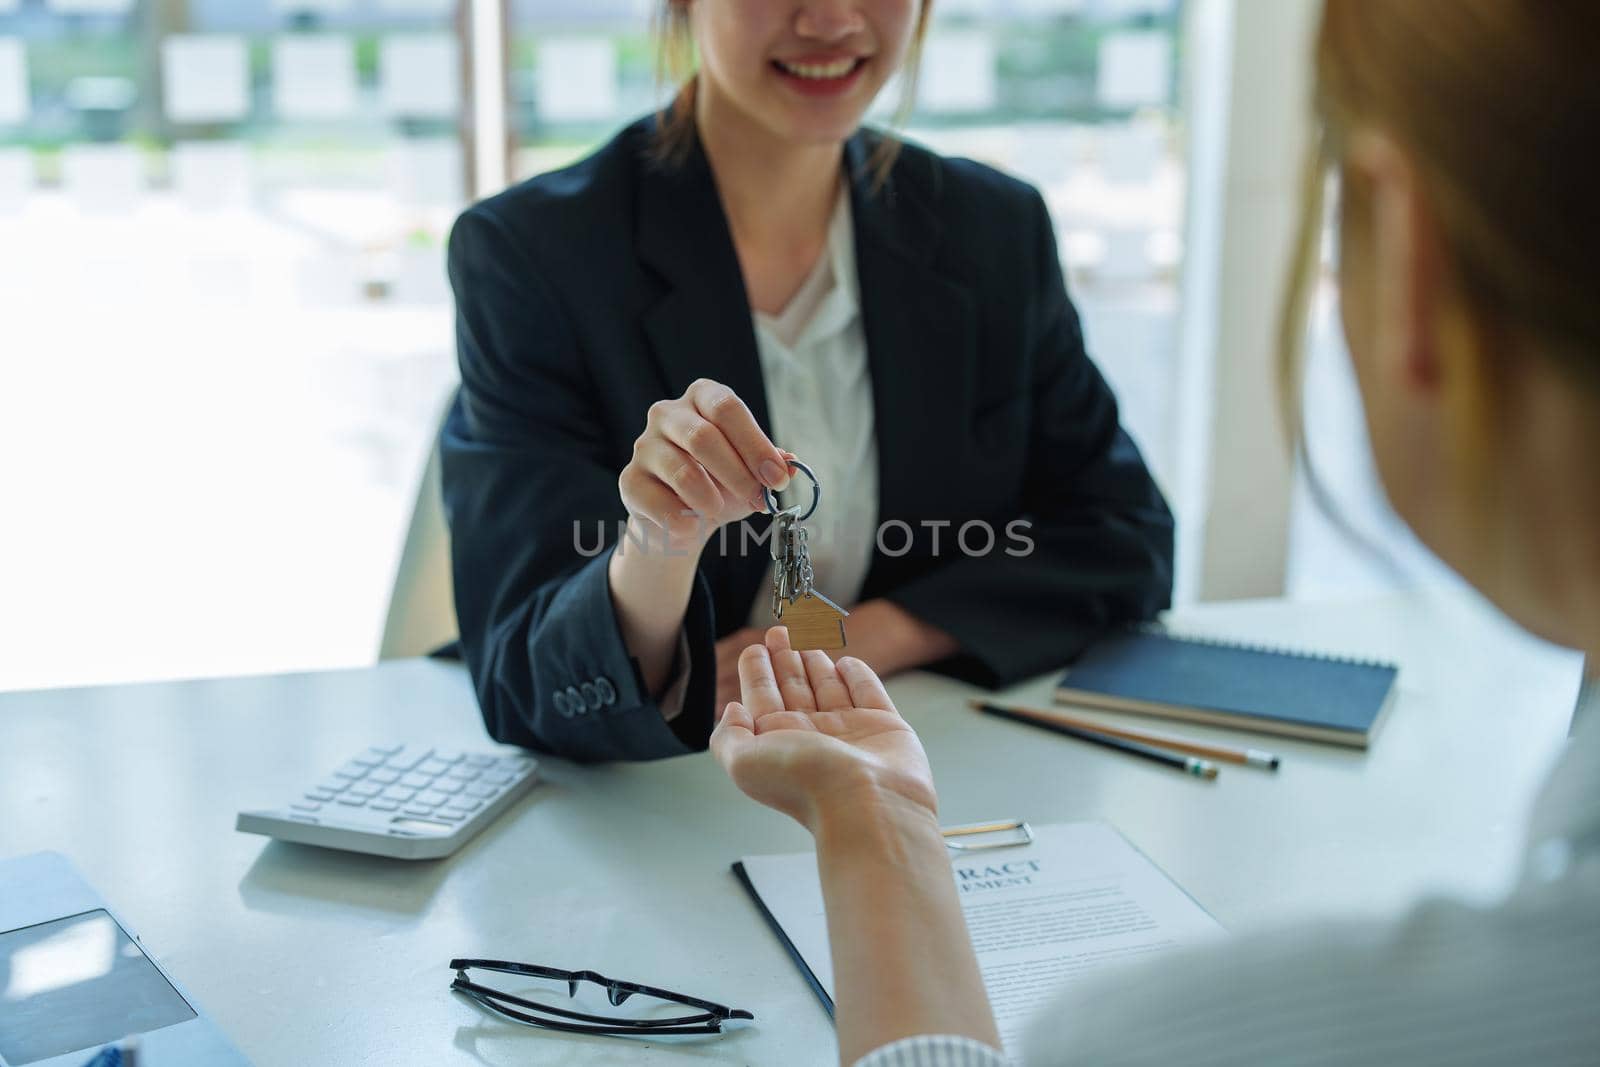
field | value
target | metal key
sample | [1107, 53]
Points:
[783, 523]
[814, 621]
[791, 562]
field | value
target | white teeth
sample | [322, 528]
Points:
[820, 71]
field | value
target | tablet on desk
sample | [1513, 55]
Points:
[74, 979]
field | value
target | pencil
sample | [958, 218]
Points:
[1187, 764]
[1250, 757]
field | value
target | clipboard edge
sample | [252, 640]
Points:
[783, 938]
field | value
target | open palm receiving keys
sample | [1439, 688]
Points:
[809, 734]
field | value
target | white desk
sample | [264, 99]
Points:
[307, 956]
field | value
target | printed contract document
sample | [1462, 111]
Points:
[1076, 900]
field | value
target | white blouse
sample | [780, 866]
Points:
[819, 402]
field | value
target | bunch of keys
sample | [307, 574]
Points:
[814, 621]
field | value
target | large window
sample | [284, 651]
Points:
[226, 327]
[227, 331]
[580, 69]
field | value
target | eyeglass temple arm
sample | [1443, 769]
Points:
[611, 985]
[494, 997]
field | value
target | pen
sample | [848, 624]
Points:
[1250, 757]
[1188, 764]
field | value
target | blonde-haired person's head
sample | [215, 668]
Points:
[1466, 138]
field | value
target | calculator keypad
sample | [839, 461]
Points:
[441, 784]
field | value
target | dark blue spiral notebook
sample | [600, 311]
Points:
[1319, 698]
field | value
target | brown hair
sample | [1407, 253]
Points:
[1498, 103]
[675, 62]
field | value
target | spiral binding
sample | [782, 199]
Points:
[1155, 629]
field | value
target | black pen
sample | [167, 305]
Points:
[1187, 764]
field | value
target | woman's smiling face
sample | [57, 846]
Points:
[803, 71]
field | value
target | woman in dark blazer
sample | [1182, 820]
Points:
[610, 374]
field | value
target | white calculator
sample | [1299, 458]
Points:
[405, 801]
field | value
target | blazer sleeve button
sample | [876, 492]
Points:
[607, 691]
[575, 701]
[591, 695]
[559, 698]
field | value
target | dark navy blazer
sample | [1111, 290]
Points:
[585, 295]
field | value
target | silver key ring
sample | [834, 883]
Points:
[816, 492]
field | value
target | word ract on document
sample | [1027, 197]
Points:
[996, 876]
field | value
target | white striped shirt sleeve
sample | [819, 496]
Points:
[934, 1050]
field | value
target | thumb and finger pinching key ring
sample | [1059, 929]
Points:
[816, 492]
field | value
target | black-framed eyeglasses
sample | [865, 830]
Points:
[709, 1018]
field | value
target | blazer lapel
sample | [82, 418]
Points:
[701, 327]
[921, 330]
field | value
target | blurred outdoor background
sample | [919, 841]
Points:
[226, 335]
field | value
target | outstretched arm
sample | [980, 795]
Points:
[823, 743]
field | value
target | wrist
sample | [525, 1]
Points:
[879, 847]
[650, 592]
[646, 555]
[874, 817]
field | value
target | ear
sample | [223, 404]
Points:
[1405, 262]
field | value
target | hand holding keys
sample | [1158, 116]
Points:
[814, 621]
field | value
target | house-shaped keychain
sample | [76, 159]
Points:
[814, 621]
